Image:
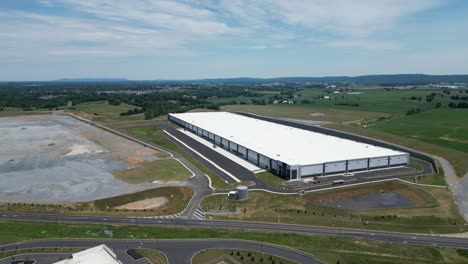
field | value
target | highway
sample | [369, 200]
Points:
[394, 237]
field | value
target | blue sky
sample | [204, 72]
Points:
[155, 39]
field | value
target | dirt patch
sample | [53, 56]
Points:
[317, 114]
[151, 203]
[134, 160]
[142, 152]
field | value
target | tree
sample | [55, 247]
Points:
[438, 105]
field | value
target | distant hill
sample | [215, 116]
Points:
[365, 79]
[93, 80]
[395, 79]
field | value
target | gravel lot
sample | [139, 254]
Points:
[55, 158]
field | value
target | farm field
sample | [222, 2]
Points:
[431, 210]
[166, 170]
[328, 249]
[99, 111]
[305, 112]
[444, 127]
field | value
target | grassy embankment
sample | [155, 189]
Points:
[234, 256]
[153, 256]
[7, 254]
[166, 170]
[328, 249]
[155, 135]
[433, 210]
[177, 199]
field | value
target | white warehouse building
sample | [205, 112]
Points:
[289, 152]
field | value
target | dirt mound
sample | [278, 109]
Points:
[150, 203]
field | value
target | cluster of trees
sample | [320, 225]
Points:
[414, 111]
[458, 97]
[133, 111]
[459, 105]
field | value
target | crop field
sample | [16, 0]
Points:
[432, 209]
[105, 113]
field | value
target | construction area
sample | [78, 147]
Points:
[55, 158]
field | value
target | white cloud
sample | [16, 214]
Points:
[146, 27]
[365, 44]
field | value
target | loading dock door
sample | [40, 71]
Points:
[335, 167]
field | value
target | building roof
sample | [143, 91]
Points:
[100, 254]
[291, 145]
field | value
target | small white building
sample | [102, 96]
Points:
[96, 255]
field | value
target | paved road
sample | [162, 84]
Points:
[178, 251]
[405, 238]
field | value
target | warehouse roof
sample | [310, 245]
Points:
[100, 254]
[291, 145]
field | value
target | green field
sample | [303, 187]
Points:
[444, 127]
[99, 111]
[433, 210]
[232, 256]
[166, 170]
[329, 249]
[306, 112]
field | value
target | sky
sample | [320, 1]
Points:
[194, 39]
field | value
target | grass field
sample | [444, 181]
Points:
[329, 249]
[154, 134]
[154, 256]
[177, 200]
[166, 170]
[99, 111]
[306, 112]
[232, 256]
[433, 209]
[271, 179]
[443, 127]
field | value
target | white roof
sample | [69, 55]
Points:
[96, 255]
[291, 145]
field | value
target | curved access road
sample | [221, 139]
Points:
[394, 237]
[176, 250]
